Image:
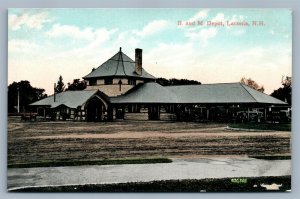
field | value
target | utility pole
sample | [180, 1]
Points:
[54, 95]
[18, 99]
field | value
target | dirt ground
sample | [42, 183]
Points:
[67, 141]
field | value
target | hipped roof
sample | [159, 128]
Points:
[196, 94]
[150, 92]
[153, 93]
[118, 65]
[71, 99]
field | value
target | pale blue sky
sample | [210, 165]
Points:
[46, 43]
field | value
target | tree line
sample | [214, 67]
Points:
[283, 93]
[29, 94]
[174, 81]
[77, 84]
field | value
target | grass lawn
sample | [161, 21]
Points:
[265, 126]
[273, 157]
[92, 162]
[39, 144]
[249, 184]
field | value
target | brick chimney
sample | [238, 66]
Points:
[138, 61]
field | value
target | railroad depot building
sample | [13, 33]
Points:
[121, 87]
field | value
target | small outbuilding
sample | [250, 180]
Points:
[86, 105]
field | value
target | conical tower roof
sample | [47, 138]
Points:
[118, 65]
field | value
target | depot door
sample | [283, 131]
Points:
[94, 110]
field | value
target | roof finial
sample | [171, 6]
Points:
[120, 49]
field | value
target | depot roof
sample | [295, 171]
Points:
[118, 65]
[71, 99]
[205, 93]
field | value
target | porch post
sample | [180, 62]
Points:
[207, 113]
[248, 114]
[265, 114]
[158, 112]
[80, 114]
[110, 114]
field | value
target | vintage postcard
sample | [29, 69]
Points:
[149, 100]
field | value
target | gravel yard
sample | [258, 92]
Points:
[30, 142]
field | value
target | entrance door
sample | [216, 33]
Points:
[94, 110]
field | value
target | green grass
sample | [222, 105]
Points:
[92, 162]
[204, 185]
[275, 157]
[264, 126]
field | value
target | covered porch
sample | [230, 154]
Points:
[233, 102]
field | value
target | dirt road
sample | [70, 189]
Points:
[67, 141]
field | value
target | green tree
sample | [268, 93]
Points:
[284, 93]
[76, 85]
[252, 84]
[174, 81]
[27, 95]
[60, 86]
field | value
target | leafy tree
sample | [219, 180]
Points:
[27, 95]
[60, 86]
[252, 84]
[76, 85]
[284, 93]
[173, 81]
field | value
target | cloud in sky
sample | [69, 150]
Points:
[67, 46]
[202, 34]
[219, 17]
[34, 21]
[93, 48]
[238, 32]
[171, 66]
[202, 14]
[127, 38]
[59, 30]
[153, 27]
[223, 66]
[19, 45]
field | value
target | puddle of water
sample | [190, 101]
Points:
[271, 187]
[217, 162]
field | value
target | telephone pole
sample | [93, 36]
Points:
[18, 99]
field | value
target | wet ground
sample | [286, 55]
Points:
[198, 150]
[31, 142]
[178, 169]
